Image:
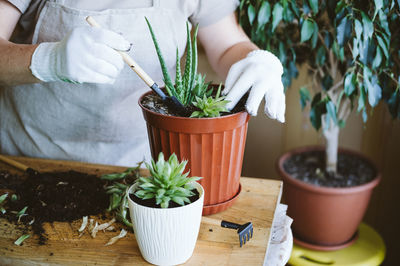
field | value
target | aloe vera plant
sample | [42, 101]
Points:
[190, 87]
[166, 182]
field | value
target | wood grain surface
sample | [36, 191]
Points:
[215, 246]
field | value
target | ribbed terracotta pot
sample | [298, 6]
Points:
[325, 218]
[214, 148]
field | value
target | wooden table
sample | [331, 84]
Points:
[256, 203]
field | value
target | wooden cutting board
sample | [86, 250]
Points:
[215, 246]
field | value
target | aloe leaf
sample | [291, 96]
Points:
[22, 212]
[194, 63]
[188, 64]
[167, 78]
[178, 78]
[3, 197]
[21, 239]
[218, 91]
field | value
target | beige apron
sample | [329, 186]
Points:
[90, 122]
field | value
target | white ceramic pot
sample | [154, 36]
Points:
[166, 236]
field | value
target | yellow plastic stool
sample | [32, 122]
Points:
[368, 250]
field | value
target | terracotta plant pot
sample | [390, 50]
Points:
[166, 236]
[325, 218]
[214, 148]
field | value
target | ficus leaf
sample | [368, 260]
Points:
[276, 15]
[344, 30]
[374, 91]
[314, 37]
[251, 13]
[304, 97]
[361, 99]
[321, 56]
[264, 14]
[314, 5]
[327, 82]
[307, 30]
[358, 28]
[368, 26]
[383, 46]
[378, 58]
[349, 83]
[364, 115]
[315, 117]
[378, 4]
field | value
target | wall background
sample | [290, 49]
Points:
[379, 139]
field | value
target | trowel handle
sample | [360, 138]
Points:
[14, 163]
[129, 60]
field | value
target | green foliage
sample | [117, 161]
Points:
[191, 85]
[167, 78]
[118, 192]
[210, 106]
[2, 201]
[350, 46]
[166, 182]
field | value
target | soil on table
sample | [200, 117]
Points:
[52, 196]
[152, 202]
[309, 167]
[154, 103]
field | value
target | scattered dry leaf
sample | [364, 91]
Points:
[95, 230]
[115, 238]
[84, 224]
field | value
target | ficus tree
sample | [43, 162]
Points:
[351, 49]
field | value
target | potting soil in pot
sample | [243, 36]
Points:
[152, 202]
[154, 103]
[52, 196]
[309, 167]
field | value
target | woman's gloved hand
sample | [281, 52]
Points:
[260, 72]
[86, 54]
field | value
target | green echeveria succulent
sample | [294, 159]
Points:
[166, 182]
[210, 106]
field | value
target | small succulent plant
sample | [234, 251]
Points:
[210, 106]
[166, 182]
[190, 86]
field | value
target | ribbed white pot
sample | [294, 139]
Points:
[166, 236]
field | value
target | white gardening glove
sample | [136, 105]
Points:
[86, 54]
[260, 72]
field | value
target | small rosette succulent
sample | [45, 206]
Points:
[166, 182]
[210, 106]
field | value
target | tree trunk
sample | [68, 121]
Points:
[331, 134]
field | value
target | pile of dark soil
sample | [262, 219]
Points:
[53, 196]
[152, 202]
[154, 103]
[310, 168]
